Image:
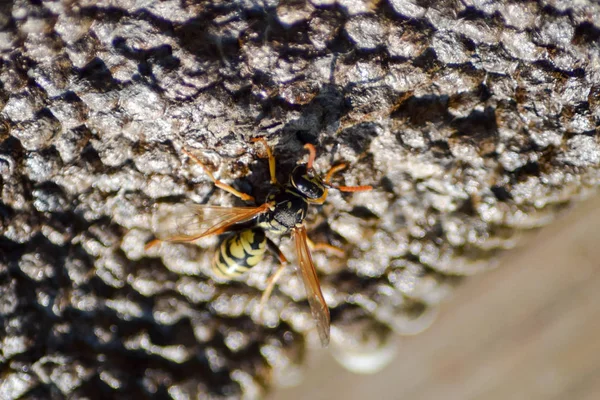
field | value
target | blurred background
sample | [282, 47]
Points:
[527, 330]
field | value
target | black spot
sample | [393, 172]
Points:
[363, 213]
[97, 74]
[501, 193]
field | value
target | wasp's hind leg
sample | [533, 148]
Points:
[271, 158]
[152, 243]
[326, 247]
[272, 281]
[218, 183]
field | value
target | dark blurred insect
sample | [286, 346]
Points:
[283, 212]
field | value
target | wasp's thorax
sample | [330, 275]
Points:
[290, 203]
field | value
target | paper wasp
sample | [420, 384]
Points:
[283, 212]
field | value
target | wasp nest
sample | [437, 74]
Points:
[474, 121]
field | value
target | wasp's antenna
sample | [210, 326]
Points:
[312, 154]
[332, 171]
[337, 168]
[364, 188]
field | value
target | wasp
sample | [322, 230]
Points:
[282, 213]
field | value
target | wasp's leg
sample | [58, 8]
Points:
[275, 277]
[218, 183]
[337, 168]
[328, 248]
[270, 157]
[152, 243]
[6, 126]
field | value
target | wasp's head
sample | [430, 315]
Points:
[308, 183]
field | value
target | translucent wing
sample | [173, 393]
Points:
[317, 303]
[190, 222]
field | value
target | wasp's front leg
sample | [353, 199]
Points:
[218, 183]
[271, 158]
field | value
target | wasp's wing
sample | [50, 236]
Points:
[190, 222]
[317, 303]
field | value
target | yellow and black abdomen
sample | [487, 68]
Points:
[239, 252]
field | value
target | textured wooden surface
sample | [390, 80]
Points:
[528, 330]
[474, 120]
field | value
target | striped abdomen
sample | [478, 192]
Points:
[240, 252]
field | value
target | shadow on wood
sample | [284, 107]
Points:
[527, 330]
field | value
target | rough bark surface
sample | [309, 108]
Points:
[475, 121]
